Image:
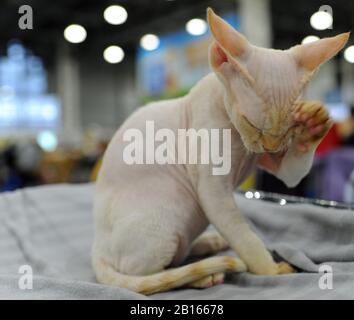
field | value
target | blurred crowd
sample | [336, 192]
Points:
[24, 163]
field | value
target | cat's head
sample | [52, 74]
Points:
[262, 85]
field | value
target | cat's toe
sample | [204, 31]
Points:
[218, 278]
[205, 282]
[284, 268]
[209, 281]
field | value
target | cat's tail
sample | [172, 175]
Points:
[168, 279]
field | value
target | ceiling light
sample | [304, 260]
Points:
[75, 33]
[150, 42]
[321, 20]
[310, 39]
[113, 54]
[115, 15]
[196, 27]
[349, 54]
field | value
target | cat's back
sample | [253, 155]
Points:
[164, 114]
[139, 131]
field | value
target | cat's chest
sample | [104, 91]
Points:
[243, 162]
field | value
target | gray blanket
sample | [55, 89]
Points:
[50, 228]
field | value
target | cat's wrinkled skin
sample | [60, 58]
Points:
[149, 217]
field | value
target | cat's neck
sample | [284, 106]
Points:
[209, 86]
[206, 101]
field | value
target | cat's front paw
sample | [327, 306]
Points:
[284, 268]
[313, 123]
[274, 269]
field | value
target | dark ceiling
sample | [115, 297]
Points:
[290, 21]
[144, 16]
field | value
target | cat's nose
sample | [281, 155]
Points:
[271, 143]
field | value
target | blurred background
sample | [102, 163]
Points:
[71, 75]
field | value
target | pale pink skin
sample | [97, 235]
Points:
[147, 216]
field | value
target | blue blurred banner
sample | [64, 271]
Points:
[176, 65]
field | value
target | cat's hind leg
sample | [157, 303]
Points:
[209, 242]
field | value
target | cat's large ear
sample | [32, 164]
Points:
[228, 41]
[311, 55]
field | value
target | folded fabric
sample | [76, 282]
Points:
[50, 228]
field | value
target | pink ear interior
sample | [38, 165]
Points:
[218, 55]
